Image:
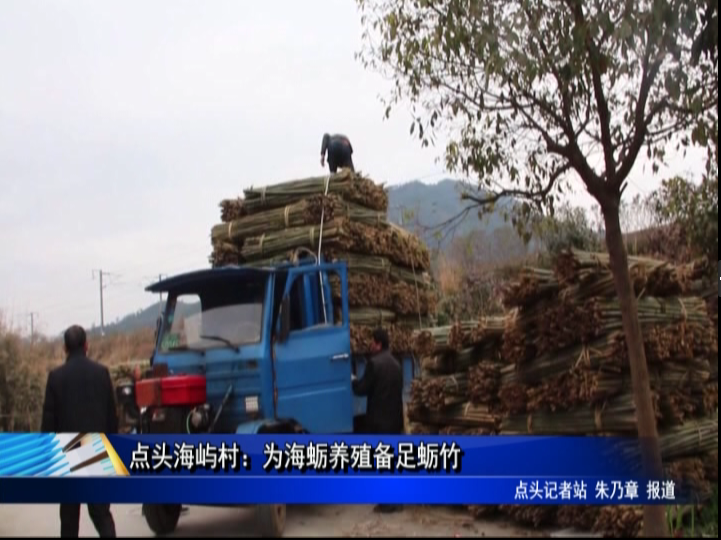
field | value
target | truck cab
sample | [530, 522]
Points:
[251, 350]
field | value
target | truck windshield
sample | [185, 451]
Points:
[216, 314]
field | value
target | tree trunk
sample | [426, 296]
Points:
[654, 517]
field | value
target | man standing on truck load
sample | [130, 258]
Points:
[340, 152]
[79, 398]
[382, 383]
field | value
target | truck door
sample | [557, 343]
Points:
[312, 365]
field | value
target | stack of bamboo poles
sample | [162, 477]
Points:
[342, 217]
[566, 370]
[461, 372]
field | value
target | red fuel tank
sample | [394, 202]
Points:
[187, 390]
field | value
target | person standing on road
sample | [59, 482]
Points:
[340, 152]
[79, 398]
[382, 383]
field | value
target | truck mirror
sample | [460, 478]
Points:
[284, 319]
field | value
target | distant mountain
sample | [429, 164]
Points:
[418, 207]
[427, 209]
[143, 318]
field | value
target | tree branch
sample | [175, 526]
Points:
[604, 116]
[530, 195]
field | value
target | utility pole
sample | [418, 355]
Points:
[160, 303]
[102, 313]
[32, 326]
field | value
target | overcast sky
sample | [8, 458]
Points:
[124, 123]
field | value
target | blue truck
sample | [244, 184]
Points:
[267, 351]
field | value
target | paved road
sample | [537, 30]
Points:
[308, 521]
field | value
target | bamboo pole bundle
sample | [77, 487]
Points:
[578, 516]
[678, 385]
[484, 382]
[676, 406]
[710, 398]
[618, 415]
[392, 242]
[464, 415]
[483, 511]
[676, 341]
[361, 338]
[440, 339]
[351, 186]
[693, 438]
[416, 428]
[459, 336]
[342, 235]
[465, 431]
[451, 362]
[224, 254]
[530, 515]
[397, 296]
[487, 329]
[513, 398]
[531, 285]
[567, 391]
[690, 473]
[710, 462]
[517, 347]
[619, 521]
[438, 393]
[371, 316]
[567, 322]
[304, 212]
[434, 364]
[598, 353]
[231, 209]
[357, 263]
[373, 264]
[658, 277]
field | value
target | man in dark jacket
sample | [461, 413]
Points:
[340, 152]
[382, 383]
[79, 398]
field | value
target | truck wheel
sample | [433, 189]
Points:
[271, 520]
[162, 518]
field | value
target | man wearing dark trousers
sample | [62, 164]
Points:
[382, 384]
[340, 152]
[79, 398]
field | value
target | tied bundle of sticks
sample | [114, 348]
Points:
[617, 415]
[458, 390]
[441, 339]
[437, 394]
[339, 234]
[342, 218]
[447, 362]
[531, 515]
[463, 415]
[566, 368]
[656, 277]
[682, 386]
[301, 213]
[379, 291]
[619, 521]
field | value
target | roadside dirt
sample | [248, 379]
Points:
[307, 521]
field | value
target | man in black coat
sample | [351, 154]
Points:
[79, 398]
[340, 152]
[382, 383]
